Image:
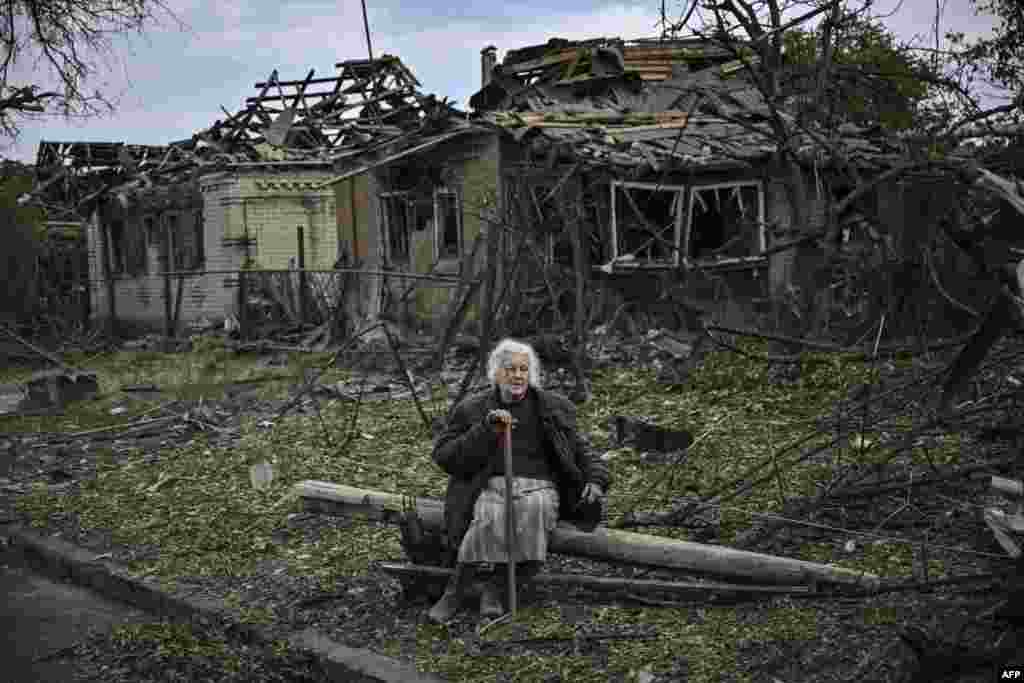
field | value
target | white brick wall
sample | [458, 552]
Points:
[269, 207]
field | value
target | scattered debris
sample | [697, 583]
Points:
[144, 388]
[644, 436]
[11, 398]
[261, 475]
[55, 388]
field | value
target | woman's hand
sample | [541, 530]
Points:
[499, 419]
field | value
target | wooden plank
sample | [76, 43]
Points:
[602, 543]
[627, 121]
[685, 588]
[658, 131]
[312, 81]
[540, 63]
[284, 96]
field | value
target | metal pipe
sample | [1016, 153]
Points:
[366, 25]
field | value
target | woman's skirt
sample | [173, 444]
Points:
[535, 506]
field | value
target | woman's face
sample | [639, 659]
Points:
[514, 373]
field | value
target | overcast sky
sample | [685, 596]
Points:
[171, 82]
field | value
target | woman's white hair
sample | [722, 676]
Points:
[501, 352]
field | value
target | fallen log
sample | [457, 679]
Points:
[613, 583]
[602, 543]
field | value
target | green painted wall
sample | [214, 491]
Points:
[472, 166]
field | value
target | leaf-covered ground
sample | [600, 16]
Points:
[160, 652]
[186, 513]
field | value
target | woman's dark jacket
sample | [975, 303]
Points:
[468, 450]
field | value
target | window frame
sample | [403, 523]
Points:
[199, 237]
[116, 247]
[682, 211]
[439, 191]
[407, 204]
[684, 247]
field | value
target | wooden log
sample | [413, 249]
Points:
[602, 543]
[603, 583]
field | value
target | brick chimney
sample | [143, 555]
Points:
[488, 58]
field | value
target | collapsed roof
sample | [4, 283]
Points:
[368, 109]
[642, 105]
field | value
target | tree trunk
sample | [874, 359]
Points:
[604, 544]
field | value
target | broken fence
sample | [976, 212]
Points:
[298, 296]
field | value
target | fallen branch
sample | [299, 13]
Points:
[316, 377]
[126, 425]
[901, 586]
[404, 370]
[42, 352]
[876, 490]
[835, 348]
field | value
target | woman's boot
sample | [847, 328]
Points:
[490, 593]
[454, 592]
[525, 587]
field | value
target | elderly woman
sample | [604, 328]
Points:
[554, 477]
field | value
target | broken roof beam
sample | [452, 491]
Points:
[404, 92]
[312, 81]
[300, 93]
[583, 120]
[245, 117]
[658, 131]
[544, 62]
[364, 69]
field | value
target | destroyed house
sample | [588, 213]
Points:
[666, 150]
[657, 155]
[252, 191]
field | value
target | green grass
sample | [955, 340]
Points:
[197, 504]
[201, 374]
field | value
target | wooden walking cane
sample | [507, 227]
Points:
[510, 522]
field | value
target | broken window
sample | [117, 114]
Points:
[116, 247]
[177, 254]
[725, 222]
[199, 239]
[646, 220]
[135, 251]
[398, 219]
[185, 232]
[422, 212]
[447, 224]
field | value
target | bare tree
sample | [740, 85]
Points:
[52, 49]
[944, 111]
